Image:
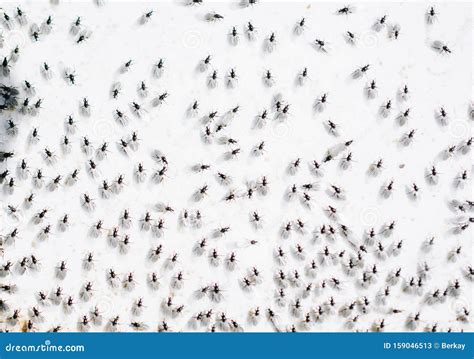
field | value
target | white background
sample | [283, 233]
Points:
[180, 36]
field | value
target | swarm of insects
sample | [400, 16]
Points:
[212, 168]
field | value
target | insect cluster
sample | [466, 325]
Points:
[207, 167]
